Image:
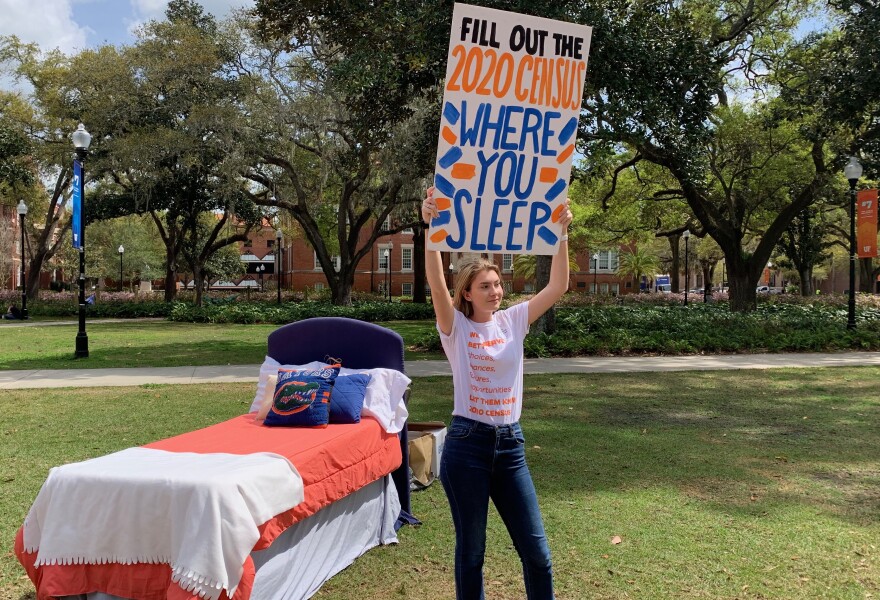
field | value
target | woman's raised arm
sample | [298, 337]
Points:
[558, 285]
[443, 308]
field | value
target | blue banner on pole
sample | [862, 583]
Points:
[77, 219]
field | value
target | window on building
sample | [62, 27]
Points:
[615, 289]
[528, 288]
[608, 261]
[407, 288]
[407, 231]
[508, 287]
[507, 262]
[383, 262]
[406, 258]
[386, 224]
[270, 243]
[582, 284]
[337, 262]
[603, 288]
[319, 286]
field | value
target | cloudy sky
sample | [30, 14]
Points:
[72, 25]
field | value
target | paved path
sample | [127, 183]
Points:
[47, 378]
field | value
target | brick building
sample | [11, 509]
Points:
[300, 267]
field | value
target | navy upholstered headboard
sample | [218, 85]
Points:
[358, 345]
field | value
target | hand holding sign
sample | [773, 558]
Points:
[510, 112]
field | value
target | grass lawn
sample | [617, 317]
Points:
[726, 484]
[156, 344]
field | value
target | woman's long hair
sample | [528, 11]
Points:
[467, 271]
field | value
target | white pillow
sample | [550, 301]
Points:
[384, 399]
[269, 367]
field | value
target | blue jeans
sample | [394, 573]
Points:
[479, 462]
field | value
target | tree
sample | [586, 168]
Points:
[345, 177]
[172, 149]
[638, 261]
[805, 244]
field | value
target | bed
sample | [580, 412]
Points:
[346, 492]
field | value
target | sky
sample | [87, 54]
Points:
[73, 25]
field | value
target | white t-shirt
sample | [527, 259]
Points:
[487, 365]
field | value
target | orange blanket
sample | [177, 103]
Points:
[332, 462]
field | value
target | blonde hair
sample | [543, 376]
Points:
[467, 272]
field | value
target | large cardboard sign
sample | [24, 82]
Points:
[514, 85]
[867, 223]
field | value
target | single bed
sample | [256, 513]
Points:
[354, 479]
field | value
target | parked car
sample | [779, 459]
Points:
[766, 289]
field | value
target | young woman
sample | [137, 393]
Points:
[484, 453]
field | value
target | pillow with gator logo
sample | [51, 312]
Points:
[302, 397]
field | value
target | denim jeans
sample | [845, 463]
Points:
[479, 462]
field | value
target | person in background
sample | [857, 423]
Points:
[484, 453]
[12, 313]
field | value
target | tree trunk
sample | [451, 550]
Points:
[340, 292]
[199, 283]
[170, 281]
[742, 287]
[419, 294]
[32, 275]
[866, 267]
[676, 263]
[546, 323]
[806, 276]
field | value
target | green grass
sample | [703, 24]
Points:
[727, 484]
[156, 344]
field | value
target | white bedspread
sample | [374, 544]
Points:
[199, 513]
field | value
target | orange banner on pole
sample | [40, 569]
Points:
[867, 223]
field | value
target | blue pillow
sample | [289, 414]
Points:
[302, 397]
[347, 398]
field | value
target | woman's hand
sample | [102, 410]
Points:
[429, 206]
[566, 218]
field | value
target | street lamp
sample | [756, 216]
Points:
[260, 269]
[278, 262]
[22, 213]
[121, 250]
[852, 171]
[595, 271]
[81, 140]
[687, 273]
[387, 255]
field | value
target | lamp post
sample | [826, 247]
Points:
[260, 269]
[595, 258]
[278, 262]
[687, 273]
[81, 140]
[387, 255]
[852, 171]
[121, 250]
[22, 213]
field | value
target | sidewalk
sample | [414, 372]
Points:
[10, 380]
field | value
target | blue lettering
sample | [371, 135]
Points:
[531, 113]
[476, 228]
[459, 219]
[469, 136]
[548, 133]
[509, 129]
[494, 223]
[488, 124]
[485, 162]
[514, 225]
[503, 189]
[535, 220]
[523, 194]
